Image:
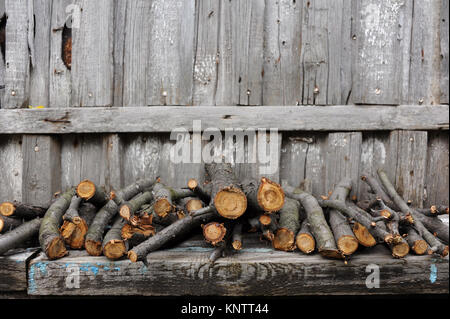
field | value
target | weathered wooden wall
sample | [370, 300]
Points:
[128, 53]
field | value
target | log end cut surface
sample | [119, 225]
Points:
[306, 243]
[230, 203]
[420, 247]
[363, 235]
[284, 240]
[86, 189]
[115, 249]
[214, 232]
[347, 244]
[162, 207]
[7, 209]
[270, 196]
[56, 249]
[193, 205]
[93, 248]
[400, 250]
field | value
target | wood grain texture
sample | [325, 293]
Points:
[302, 118]
[60, 86]
[120, 12]
[13, 269]
[343, 159]
[171, 60]
[241, 38]
[40, 75]
[41, 169]
[377, 69]
[282, 81]
[408, 158]
[17, 55]
[2, 63]
[92, 54]
[425, 53]
[444, 65]
[437, 171]
[255, 270]
[206, 52]
[11, 169]
[136, 52]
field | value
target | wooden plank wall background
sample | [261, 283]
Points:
[224, 52]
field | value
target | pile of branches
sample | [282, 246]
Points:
[149, 215]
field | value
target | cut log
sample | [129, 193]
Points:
[128, 209]
[226, 194]
[433, 210]
[322, 233]
[50, 239]
[165, 197]
[305, 240]
[214, 232]
[114, 247]
[343, 234]
[92, 193]
[8, 223]
[236, 238]
[15, 237]
[94, 235]
[398, 245]
[419, 220]
[263, 196]
[129, 231]
[379, 191]
[416, 242]
[74, 228]
[367, 204]
[190, 204]
[202, 191]
[20, 210]
[176, 231]
[363, 235]
[435, 226]
[289, 224]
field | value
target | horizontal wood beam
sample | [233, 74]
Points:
[166, 118]
[251, 272]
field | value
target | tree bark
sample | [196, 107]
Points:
[343, 234]
[19, 210]
[165, 197]
[416, 242]
[305, 240]
[94, 235]
[128, 209]
[113, 246]
[289, 224]
[50, 239]
[433, 211]
[8, 223]
[263, 196]
[226, 194]
[378, 190]
[322, 233]
[236, 238]
[74, 228]
[13, 238]
[202, 191]
[92, 193]
[177, 230]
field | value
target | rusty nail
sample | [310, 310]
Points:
[316, 90]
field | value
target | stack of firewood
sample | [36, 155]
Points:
[150, 215]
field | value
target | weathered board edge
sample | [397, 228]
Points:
[13, 269]
[149, 119]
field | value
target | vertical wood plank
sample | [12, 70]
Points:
[41, 169]
[11, 159]
[343, 159]
[241, 57]
[374, 155]
[92, 54]
[171, 62]
[2, 39]
[114, 158]
[444, 32]
[377, 70]
[136, 53]
[425, 53]
[141, 157]
[39, 84]
[437, 181]
[206, 57]
[120, 12]
[17, 55]
[405, 25]
[410, 149]
[60, 76]
[282, 47]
